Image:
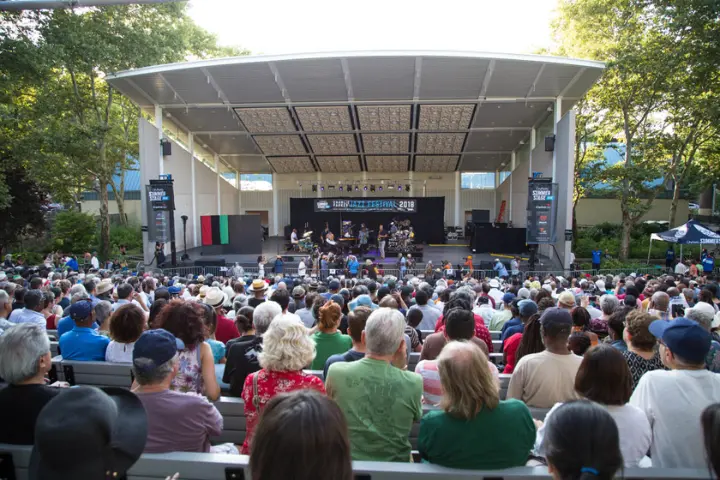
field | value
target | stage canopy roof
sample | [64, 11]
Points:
[362, 111]
[692, 233]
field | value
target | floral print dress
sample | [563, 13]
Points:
[189, 376]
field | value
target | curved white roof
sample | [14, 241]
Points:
[354, 111]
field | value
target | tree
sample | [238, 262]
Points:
[74, 232]
[78, 127]
[23, 207]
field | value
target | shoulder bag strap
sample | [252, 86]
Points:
[256, 397]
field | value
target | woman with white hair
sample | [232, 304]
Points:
[24, 361]
[457, 436]
[287, 349]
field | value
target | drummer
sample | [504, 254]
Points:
[294, 237]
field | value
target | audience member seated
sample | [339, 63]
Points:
[527, 309]
[83, 343]
[582, 443]
[65, 324]
[197, 368]
[319, 426]
[127, 323]
[177, 422]
[461, 300]
[604, 378]
[710, 420]
[356, 327]
[242, 354]
[543, 379]
[103, 311]
[459, 326]
[616, 327]
[641, 355]
[34, 301]
[305, 313]
[581, 323]
[226, 329]
[328, 340]
[380, 400]
[430, 313]
[458, 435]
[89, 433]
[673, 400]
[244, 324]
[287, 349]
[210, 319]
[24, 361]
[435, 342]
[414, 319]
[579, 343]
[703, 313]
[5, 309]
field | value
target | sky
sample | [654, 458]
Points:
[284, 27]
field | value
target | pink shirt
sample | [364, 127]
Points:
[432, 387]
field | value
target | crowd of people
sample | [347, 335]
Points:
[626, 368]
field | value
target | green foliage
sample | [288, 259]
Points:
[23, 205]
[129, 235]
[74, 232]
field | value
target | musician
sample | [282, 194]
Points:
[363, 237]
[294, 238]
[382, 238]
[325, 232]
[393, 228]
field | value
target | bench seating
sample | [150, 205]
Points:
[53, 334]
[54, 349]
[209, 466]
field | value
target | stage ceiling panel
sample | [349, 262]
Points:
[325, 119]
[249, 163]
[266, 120]
[386, 118]
[387, 163]
[436, 163]
[363, 104]
[332, 144]
[280, 144]
[339, 164]
[291, 164]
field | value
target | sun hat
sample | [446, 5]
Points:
[88, 433]
[494, 283]
[258, 285]
[298, 292]
[566, 299]
[104, 286]
[215, 297]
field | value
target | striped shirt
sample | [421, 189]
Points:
[432, 387]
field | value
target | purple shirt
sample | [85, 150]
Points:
[179, 422]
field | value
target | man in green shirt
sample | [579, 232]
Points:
[380, 399]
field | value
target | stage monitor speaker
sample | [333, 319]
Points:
[550, 143]
[166, 148]
[210, 263]
[480, 216]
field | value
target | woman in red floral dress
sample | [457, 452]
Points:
[287, 349]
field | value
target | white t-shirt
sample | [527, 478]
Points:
[301, 269]
[95, 262]
[673, 402]
[681, 269]
[119, 352]
[633, 427]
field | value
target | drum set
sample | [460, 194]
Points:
[306, 244]
[402, 240]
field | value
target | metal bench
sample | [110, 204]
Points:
[15, 460]
[495, 334]
[53, 334]
[54, 349]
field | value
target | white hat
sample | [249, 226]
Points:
[600, 285]
[104, 286]
[494, 283]
[3, 276]
[215, 297]
[702, 307]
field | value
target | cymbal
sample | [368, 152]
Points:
[307, 234]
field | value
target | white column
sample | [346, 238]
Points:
[557, 113]
[364, 177]
[275, 204]
[239, 185]
[193, 195]
[319, 179]
[458, 206]
[159, 126]
[532, 147]
[217, 172]
[411, 192]
[495, 207]
[510, 179]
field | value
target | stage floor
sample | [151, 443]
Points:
[454, 252]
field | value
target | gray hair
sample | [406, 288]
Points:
[21, 346]
[77, 288]
[102, 310]
[608, 304]
[264, 315]
[4, 297]
[384, 331]
[286, 345]
[703, 318]
[146, 375]
[79, 296]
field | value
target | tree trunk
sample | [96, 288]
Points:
[121, 206]
[674, 204]
[627, 225]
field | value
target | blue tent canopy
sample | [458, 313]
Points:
[692, 233]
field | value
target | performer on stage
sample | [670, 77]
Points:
[382, 238]
[324, 233]
[363, 238]
[294, 238]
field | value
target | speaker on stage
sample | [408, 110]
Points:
[481, 216]
[550, 143]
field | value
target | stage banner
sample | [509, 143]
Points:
[160, 206]
[541, 211]
[366, 205]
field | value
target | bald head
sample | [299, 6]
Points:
[660, 301]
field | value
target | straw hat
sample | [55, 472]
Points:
[258, 285]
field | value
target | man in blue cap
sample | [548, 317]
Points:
[83, 342]
[177, 421]
[674, 399]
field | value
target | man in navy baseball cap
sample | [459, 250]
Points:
[685, 341]
[154, 348]
[83, 342]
